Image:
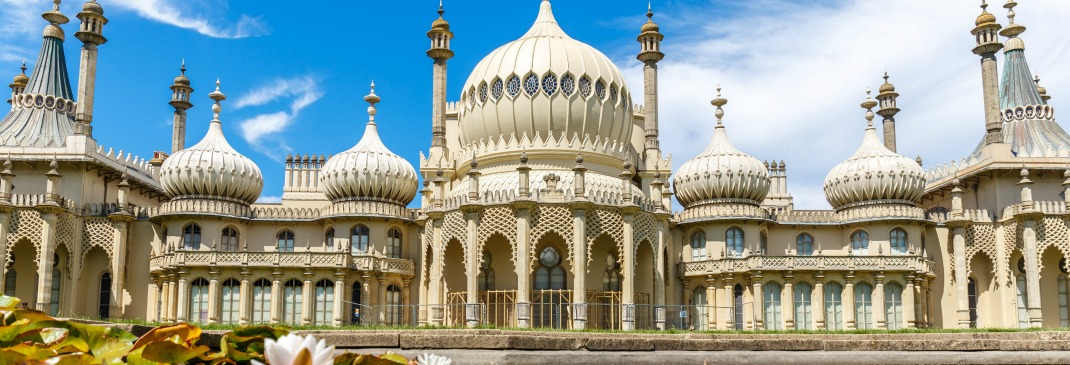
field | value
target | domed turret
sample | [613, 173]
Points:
[874, 174]
[545, 83]
[369, 171]
[212, 169]
[722, 173]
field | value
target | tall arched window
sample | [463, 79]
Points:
[486, 273]
[700, 314]
[354, 305]
[898, 239]
[328, 240]
[358, 239]
[231, 299]
[394, 310]
[324, 308]
[734, 242]
[763, 244]
[261, 301]
[860, 243]
[198, 301]
[284, 241]
[104, 302]
[804, 244]
[771, 303]
[698, 246]
[611, 278]
[863, 306]
[57, 280]
[1022, 298]
[10, 279]
[804, 313]
[737, 307]
[292, 295]
[893, 306]
[971, 292]
[230, 239]
[550, 275]
[191, 237]
[833, 307]
[393, 243]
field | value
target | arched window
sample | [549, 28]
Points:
[394, 310]
[230, 239]
[804, 313]
[860, 243]
[833, 307]
[328, 240]
[231, 298]
[763, 244]
[104, 302]
[971, 292]
[893, 306]
[612, 277]
[57, 280]
[804, 245]
[550, 275]
[771, 304]
[863, 306]
[1021, 297]
[700, 314]
[191, 237]
[284, 241]
[737, 307]
[10, 278]
[898, 239]
[358, 239]
[734, 242]
[198, 301]
[354, 305]
[292, 295]
[393, 243]
[698, 246]
[486, 273]
[261, 301]
[324, 308]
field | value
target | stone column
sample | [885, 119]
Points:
[788, 303]
[919, 301]
[276, 297]
[879, 310]
[183, 298]
[44, 262]
[659, 276]
[308, 300]
[579, 265]
[381, 294]
[165, 301]
[5, 228]
[819, 301]
[339, 298]
[245, 307]
[473, 258]
[367, 314]
[435, 295]
[727, 305]
[406, 313]
[523, 262]
[213, 297]
[908, 303]
[849, 301]
[1032, 275]
[958, 240]
[121, 223]
[628, 271]
[757, 301]
[712, 303]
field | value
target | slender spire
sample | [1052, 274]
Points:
[545, 25]
[719, 102]
[868, 105]
[218, 96]
[372, 99]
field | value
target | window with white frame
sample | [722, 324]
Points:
[284, 241]
[804, 244]
[358, 239]
[898, 238]
[804, 313]
[261, 301]
[231, 301]
[292, 295]
[771, 302]
[198, 301]
[324, 305]
[698, 246]
[834, 307]
[734, 242]
[860, 243]
[393, 243]
[863, 306]
[230, 239]
[893, 306]
[191, 237]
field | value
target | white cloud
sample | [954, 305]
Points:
[795, 74]
[169, 12]
[22, 18]
[260, 130]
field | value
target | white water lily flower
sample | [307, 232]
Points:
[296, 350]
[432, 359]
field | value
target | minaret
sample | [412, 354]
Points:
[18, 85]
[888, 110]
[91, 35]
[180, 92]
[988, 44]
[650, 55]
[440, 52]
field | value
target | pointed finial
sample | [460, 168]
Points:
[649, 11]
[55, 5]
[868, 105]
[372, 99]
[23, 68]
[218, 96]
[1010, 9]
[183, 68]
[719, 102]
[441, 11]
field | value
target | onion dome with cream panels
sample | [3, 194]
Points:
[721, 173]
[212, 169]
[369, 171]
[544, 84]
[874, 174]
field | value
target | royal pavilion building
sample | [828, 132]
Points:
[543, 200]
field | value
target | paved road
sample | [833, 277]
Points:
[467, 357]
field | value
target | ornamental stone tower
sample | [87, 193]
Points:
[440, 52]
[650, 55]
[180, 92]
[18, 85]
[91, 35]
[888, 110]
[986, 33]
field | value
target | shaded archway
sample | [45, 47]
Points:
[983, 302]
[1051, 309]
[454, 278]
[24, 269]
[498, 282]
[551, 277]
[95, 264]
[644, 285]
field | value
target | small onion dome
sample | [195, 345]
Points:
[721, 173]
[212, 169]
[440, 23]
[22, 80]
[985, 18]
[369, 171]
[874, 174]
[887, 87]
[181, 79]
[650, 25]
[93, 7]
[1040, 90]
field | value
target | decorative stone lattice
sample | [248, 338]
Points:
[25, 224]
[951, 254]
[454, 226]
[497, 220]
[98, 233]
[604, 221]
[980, 238]
[551, 218]
[645, 229]
[1054, 234]
[428, 234]
[67, 235]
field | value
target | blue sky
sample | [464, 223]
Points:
[296, 72]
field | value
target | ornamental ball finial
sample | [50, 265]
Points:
[372, 99]
[1024, 173]
[868, 105]
[218, 96]
[579, 158]
[719, 102]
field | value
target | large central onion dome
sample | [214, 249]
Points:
[212, 169]
[874, 174]
[722, 173]
[545, 83]
[369, 171]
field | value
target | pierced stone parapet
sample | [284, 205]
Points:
[806, 263]
[314, 260]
